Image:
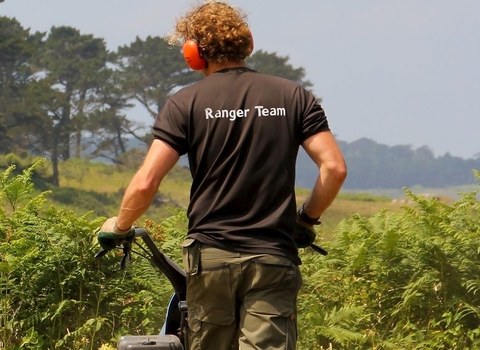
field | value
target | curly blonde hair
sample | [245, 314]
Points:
[221, 31]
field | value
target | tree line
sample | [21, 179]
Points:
[64, 95]
[377, 166]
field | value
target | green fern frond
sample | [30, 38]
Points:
[476, 174]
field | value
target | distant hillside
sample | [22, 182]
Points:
[376, 166]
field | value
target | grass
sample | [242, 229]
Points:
[347, 204]
[94, 180]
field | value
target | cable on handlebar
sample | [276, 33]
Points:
[174, 273]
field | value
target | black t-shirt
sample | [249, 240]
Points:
[242, 130]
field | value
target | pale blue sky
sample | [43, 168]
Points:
[400, 72]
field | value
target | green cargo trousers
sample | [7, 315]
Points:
[240, 301]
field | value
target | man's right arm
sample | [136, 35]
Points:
[325, 152]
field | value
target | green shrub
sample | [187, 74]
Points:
[406, 280]
[98, 203]
[397, 281]
[53, 293]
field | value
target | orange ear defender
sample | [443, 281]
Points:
[193, 56]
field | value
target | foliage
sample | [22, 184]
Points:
[53, 294]
[17, 45]
[271, 63]
[74, 67]
[397, 281]
[85, 201]
[41, 173]
[373, 166]
[404, 280]
[151, 71]
[380, 166]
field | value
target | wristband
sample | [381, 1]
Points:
[119, 231]
[307, 219]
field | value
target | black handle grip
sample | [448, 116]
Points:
[319, 249]
[101, 254]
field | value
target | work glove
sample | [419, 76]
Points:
[304, 234]
[110, 236]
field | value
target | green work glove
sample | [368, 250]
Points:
[110, 236]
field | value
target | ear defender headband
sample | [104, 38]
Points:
[193, 53]
[194, 57]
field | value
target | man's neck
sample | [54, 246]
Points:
[214, 67]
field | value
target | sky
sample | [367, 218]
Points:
[399, 72]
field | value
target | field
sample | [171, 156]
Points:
[110, 181]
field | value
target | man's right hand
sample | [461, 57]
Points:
[110, 236]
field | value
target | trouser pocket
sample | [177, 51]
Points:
[270, 306]
[191, 256]
[211, 303]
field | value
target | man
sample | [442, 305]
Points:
[241, 130]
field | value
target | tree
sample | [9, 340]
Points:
[378, 166]
[17, 46]
[271, 63]
[74, 68]
[151, 71]
[109, 127]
